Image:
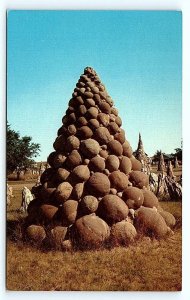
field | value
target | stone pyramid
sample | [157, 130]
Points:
[94, 192]
[142, 157]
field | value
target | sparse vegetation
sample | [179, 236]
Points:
[144, 266]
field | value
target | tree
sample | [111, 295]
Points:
[156, 156]
[178, 153]
[20, 151]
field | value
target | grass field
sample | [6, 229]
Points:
[144, 266]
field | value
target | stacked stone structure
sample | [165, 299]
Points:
[94, 192]
[142, 157]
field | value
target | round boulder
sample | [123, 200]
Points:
[118, 180]
[125, 165]
[71, 129]
[112, 163]
[63, 191]
[150, 200]
[84, 132]
[72, 143]
[136, 164]
[127, 150]
[82, 121]
[97, 164]
[105, 107]
[62, 174]
[81, 173]
[168, 217]
[36, 233]
[91, 232]
[112, 209]
[93, 124]
[113, 127]
[90, 148]
[104, 119]
[78, 190]
[133, 197]
[89, 204]
[115, 147]
[138, 179]
[102, 135]
[150, 222]
[59, 144]
[123, 233]
[48, 211]
[98, 184]
[92, 113]
[69, 212]
[120, 136]
[74, 159]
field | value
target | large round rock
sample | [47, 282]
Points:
[168, 217]
[81, 173]
[78, 190]
[115, 147]
[112, 209]
[63, 191]
[97, 164]
[102, 135]
[125, 165]
[90, 148]
[36, 233]
[89, 204]
[118, 180]
[133, 197]
[69, 212]
[127, 150]
[48, 211]
[98, 184]
[150, 222]
[61, 175]
[112, 163]
[138, 179]
[136, 164]
[72, 143]
[91, 232]
[123, 233]
[150, 200]
[73, 160]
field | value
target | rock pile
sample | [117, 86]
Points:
[94, 191]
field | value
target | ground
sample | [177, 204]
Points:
[144, 266]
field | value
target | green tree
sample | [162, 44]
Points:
[178, 153]
[156, 156]
[20, 151]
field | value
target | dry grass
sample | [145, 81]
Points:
[144, 266]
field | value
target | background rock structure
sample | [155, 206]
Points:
[94, 193]
[142, 157]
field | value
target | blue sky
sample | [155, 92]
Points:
[137, 55]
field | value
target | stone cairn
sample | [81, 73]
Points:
[94, 193]
[142, 157]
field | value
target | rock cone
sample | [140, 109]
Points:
[94, 184]
[142, 157]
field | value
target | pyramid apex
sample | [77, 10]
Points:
[89, 70]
